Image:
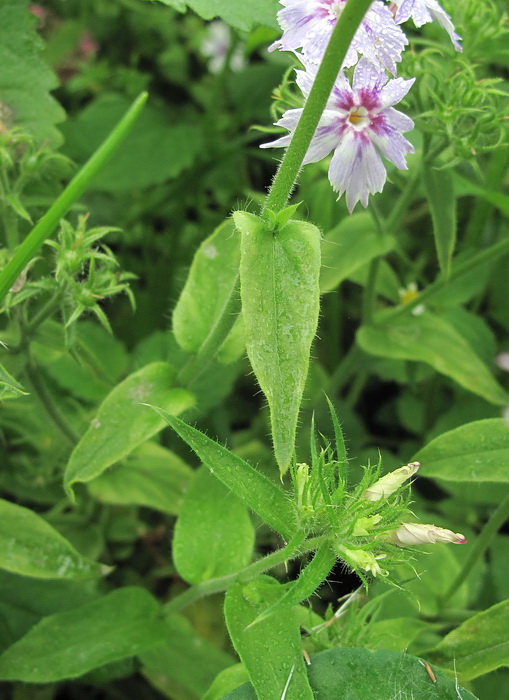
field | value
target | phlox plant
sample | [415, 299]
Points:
[254, 414]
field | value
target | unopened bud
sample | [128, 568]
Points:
[417, 533]
[391, 482]
[360, 559]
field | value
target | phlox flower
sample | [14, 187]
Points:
[358, 124]
[418, 533]
[424, 11]
[308, 25]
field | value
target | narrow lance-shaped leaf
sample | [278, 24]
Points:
[119, 625]
[253, 488]
[440, 192]
[31, 547]
[123, 421]
[270, 650]
[279, 271]
[9, 387]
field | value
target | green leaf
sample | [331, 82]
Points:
[184, 664]
[440, 192]
[359, 674]
[153, 152]
[210, 284]
[9, 387]
[25, 79]
[395, 634]
[479, 645]
[242, 15]
[431, 339]
[227, 680]
[253, 488]
[151, 476]
[68, 644]
[474, 452]
[271, 651]
[350, 246]
[30, 546]
[280, 301]
[214, 535]
[123, 421]
[312, 576]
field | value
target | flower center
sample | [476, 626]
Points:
[333, 8]
[358, 118]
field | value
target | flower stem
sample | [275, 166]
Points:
[343, 33]
[481, 544]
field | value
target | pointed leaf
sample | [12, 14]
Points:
[271, 650]
[442, 202]
[123, 421]
[479, 645]
[431, 339]
[280, 301]
[30, 546]
[474, 452]
[253, 488]
[9, 387]
[119, 625]
[241, 15]
[214, 535]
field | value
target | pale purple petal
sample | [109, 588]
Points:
[325, 138]
[393, 146]
[424, 11]
[395, 91]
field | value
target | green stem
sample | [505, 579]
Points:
[47, 224]
[340, 40]
[48, 403]
[493, 252]
[217, 585]
[208, 350]
[480, 545]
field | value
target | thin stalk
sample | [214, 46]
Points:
[480, 545]
[47, 224]
[340, 40]
[293, 549]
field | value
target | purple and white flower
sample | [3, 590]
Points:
[358, 124]
[424, 11]
[409, 534]
[308, 25]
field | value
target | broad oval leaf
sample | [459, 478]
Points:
[477, 646]
[214, 535]
[279, 273]
[242, 15]
[123, 421]
[151, 476]
[271, 650]
[68, 644]
[253, 488]
[359, 674]
[431, 339]
[477, 451]
[350, 246]
[31, 547]
[208, 291]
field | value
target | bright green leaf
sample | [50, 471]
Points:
[479, 645]
[253, 488]
[123, 422]
[68, 644]
[210, 284]
[25, 79]
[241, 15]
[431, 339]
[280, 302]
[227, 680]
[442, 202]
[475, 452]
[359, 674]
[350, 246]
[214, 535]
[271, 650]
[9, 387]
[151, 476]
[30, 546]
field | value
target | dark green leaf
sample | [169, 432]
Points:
[442, 202]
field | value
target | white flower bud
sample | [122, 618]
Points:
[417, 533]
[391, 482]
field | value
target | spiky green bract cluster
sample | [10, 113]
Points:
[359, 529]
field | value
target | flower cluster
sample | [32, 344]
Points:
[359, 123]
